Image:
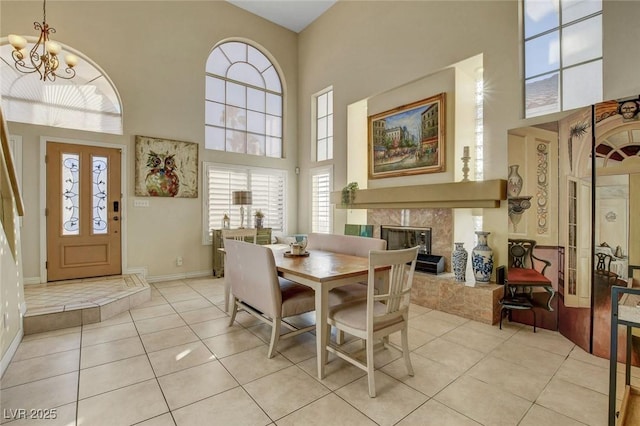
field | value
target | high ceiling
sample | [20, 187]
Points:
[292, 14]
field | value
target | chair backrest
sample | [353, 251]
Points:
[252, 274]
[520, 252]
[241, 234]
[603, 262]
[345, 244]
[402, 264]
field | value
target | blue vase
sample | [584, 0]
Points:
[482, 259]
[459, 262]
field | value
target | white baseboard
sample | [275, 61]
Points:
[31, 280]
[196, 274]
[141, 271]
[11, 351]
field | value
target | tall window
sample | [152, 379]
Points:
[321, 183]
[268, 188]
[324, 125]
[479, 161]
[563, 54]
[243, 101]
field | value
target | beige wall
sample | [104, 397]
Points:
[155, 53]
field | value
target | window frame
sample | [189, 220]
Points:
[237, 168]
[313, 172]
[314, 119]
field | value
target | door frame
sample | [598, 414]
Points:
[43, 197]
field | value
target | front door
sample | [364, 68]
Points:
[83, 211]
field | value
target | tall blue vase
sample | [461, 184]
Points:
[482, 258]
[459, 262]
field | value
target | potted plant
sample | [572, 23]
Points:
[259, 216]
[349, 194]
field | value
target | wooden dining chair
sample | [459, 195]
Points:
[241, 234]
[380, 314]
[257, 289]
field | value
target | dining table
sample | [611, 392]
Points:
[322, 271]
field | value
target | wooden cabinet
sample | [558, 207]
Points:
[264, 237]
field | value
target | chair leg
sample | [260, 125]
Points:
[233, 312]
[405, 349]
[275, 336]
[227, 293]
[370, 369]
[339, 336]
[534, 320]
[501, 316]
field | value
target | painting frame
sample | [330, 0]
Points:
[165, 168]
[408, 140]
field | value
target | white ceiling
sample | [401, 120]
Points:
[292, 14]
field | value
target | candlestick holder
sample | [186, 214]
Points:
[465, 168]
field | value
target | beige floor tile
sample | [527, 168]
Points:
[550, 341]
[167, 338]
[64, 415]
[511, 377]
[453, 319]
[429, 377]
[273, 392]
[108, 334]
[415, 310]
[191, 305]
[469, 397]
[576, 402]
[394, 400]
[584, 374]
[152, 325]
[151, 312]
[161, 420]
[581, 355]
[428, 323]
[232, 343]
[472, 339]
[234, 407]
[104, 353]
[52, 333]
[252, 364]
[214, 327]
[538, 415]
[206, 314]
[114, 375]
[298, 348]
[180, 296]
[42, 394]
[161, 285]
[39, 347]
[124, 406]
[196, 383]
[121, 318]
[246, 320]
[452, 355]
[433, 413]
[179, 357]
[417, 338]
[42, 367]
[156, 300]
[328, 410]
[533, 358]
[338, 372]
[508, 329]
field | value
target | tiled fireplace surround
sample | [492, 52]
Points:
[477, 302]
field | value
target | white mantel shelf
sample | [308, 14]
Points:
[484, 194]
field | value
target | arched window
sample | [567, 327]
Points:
[243, 101]
[89, 101]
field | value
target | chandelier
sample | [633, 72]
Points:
[43, 57]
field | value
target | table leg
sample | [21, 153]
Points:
[322, 295]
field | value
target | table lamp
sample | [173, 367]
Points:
[241, 198]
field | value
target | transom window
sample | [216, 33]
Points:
[243, 101]
[563, 55]
[324, 125]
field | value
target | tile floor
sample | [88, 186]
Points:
[175, 361]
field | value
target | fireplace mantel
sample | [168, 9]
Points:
[484, 194]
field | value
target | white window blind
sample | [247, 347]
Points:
[320, 204]
[268, 188]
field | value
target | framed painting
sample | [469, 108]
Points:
[166, 168]
[408, 140]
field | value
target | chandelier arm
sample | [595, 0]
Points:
[70, 71]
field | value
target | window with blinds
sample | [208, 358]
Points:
[268, 189]
[320, 204]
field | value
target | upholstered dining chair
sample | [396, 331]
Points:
[242, 234]
[380, 314]
[355, 246]
[257, 289]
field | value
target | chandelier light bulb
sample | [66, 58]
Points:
[71, 60]
[52, 47]
[17, 41]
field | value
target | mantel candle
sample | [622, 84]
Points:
[465, 151]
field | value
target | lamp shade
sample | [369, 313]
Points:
[241, 198]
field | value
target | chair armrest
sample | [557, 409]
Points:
[546, 262]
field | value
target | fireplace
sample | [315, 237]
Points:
[400, 237]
